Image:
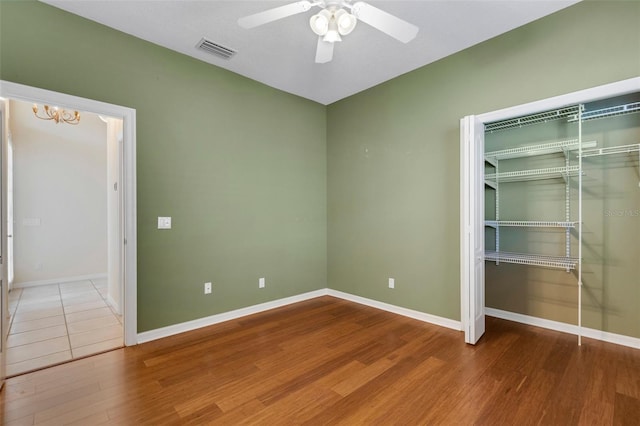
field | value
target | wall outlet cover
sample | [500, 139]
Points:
[207, 288]
[261, 283]
[392, 283]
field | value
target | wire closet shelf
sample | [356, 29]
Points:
[541, 117]
[530, 224]
[607, 112]
[554, 262]
[570, 113]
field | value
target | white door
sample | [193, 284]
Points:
[4, 293]
[472, 227]
[9, 257]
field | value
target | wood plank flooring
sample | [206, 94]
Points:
[327, 361]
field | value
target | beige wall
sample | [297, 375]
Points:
[60, 204]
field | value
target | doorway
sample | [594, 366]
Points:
[64, 299]
[126, 239]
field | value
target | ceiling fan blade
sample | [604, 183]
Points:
[385, 22]
[274, 14]
[324, 52]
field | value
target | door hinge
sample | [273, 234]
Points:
[115, 186]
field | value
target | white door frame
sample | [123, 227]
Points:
[4, 285]
[10, 90]
[582, 96]
[9, 197]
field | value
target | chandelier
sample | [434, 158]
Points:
[57, 115]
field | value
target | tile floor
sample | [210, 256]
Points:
[59, 322]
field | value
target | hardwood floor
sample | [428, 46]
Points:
[328, 361]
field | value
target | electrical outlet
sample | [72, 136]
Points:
[392, 283]
[261, 283]
[207, 288]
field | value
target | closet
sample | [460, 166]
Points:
[562, 215]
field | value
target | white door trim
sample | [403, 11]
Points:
[582, 96]
[4, 285]
[12, 90]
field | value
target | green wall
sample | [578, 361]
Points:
[393, 150]
[240, 167]
[261, 183]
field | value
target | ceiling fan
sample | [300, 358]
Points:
[337, 18]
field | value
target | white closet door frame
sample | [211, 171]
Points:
[470, 288]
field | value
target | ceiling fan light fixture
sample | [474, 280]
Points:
[336, 19]
[320, 22]
[346, 21]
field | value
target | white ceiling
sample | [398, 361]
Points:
[281, 54]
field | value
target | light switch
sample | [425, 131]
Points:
[164, 222]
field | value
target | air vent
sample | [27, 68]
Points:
[216, 49]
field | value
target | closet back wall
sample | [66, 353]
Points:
[241, 167]
[393, 151]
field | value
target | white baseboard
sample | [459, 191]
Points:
[58, 280]
[421, 316]
[171, 330]
[113, 304]
[591, 333]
